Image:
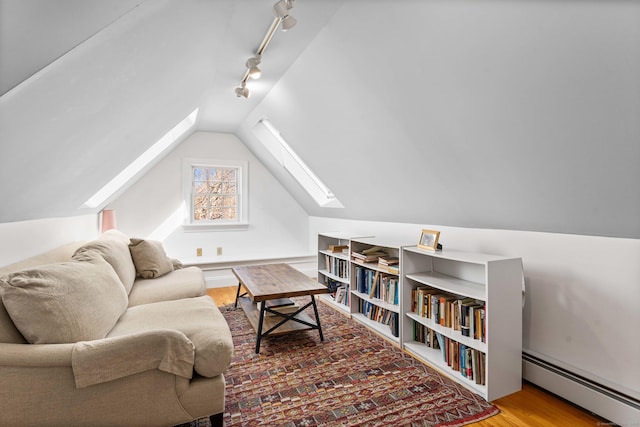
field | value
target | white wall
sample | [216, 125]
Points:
[517, 115]
[152, 208]
[24, 239]
[582, 292]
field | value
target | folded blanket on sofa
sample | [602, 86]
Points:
[108, 359]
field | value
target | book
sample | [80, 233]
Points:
[388, 260]
[395, 269]
[337, 248]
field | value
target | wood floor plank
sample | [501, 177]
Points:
[530, 407]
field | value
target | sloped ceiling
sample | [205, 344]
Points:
[489, 114]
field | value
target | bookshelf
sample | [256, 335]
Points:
[485, 288]
[375, 287]
[334, 269]
[470, 306]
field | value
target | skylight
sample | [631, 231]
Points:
[288, 159]
[142, 161]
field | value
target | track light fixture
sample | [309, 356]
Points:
[281, 19]
[281, 11]
[252, 66]
[242, 91]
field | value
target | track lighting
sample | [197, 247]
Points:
[281, 19]
[252, 66]
[242, 91]
[281, 11]
[288, 22]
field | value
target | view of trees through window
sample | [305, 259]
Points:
[215, 193]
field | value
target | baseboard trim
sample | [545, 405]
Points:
[603, 401]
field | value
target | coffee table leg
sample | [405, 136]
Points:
[315, 310]
[237, 295]
[260, 321]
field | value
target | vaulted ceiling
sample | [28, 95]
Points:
[488, 114]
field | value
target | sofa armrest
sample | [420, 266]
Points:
[99, 361]
[35, 355]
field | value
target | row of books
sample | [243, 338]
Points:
[380, 315]
[466, 360]
[389, 264]
[466, 315]
[377, 285]
[338, 290]
[336, 266]
[368, 256]
[342, 295]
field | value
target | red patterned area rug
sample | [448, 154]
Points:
[353, 378]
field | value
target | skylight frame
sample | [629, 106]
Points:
[299, 170]
[144, 160]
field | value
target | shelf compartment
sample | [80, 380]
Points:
[334, 277]
[382, 304]
[433, 357]
[340, 255]
[378, 327]
[450, 284]
[449, 332]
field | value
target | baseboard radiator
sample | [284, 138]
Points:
[609, 404]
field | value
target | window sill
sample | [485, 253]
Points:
[215, 227]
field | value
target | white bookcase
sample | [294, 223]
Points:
[491, 285]
[495, 285]
[335, 268]
[377, 309]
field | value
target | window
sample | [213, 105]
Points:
[215, 193]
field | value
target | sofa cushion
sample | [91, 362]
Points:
[198, 318]
[183, 283]
[8, 331]
[116, 253]
[64, 302]
[150, 259]
[114, 234]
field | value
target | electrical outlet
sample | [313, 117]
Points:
[198, 251]
[219, 250]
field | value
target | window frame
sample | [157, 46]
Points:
[242, 191]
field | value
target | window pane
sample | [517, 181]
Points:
[214, 193]
[229, 188]
[229, 202]
[229, 175]
[200, 187]
[229, 213]
[199, 214]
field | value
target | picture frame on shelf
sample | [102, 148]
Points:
[429, 239]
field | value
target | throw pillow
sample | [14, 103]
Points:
[150, 259]
[65, 302]
[116, 253]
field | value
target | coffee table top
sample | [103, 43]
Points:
[271, 281]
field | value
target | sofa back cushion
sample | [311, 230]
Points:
[65, 302]
[8, 331]
[116, 253]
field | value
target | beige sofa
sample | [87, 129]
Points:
[84, 340]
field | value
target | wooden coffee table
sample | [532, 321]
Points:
[273, 281]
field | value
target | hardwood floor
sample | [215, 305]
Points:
[531, 407]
